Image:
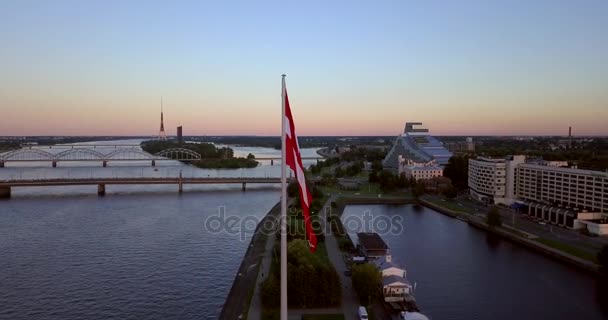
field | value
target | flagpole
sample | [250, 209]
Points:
[283, 209]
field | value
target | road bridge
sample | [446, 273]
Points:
[6, 185]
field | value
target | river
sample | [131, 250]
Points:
[464, 273]
[140, 252]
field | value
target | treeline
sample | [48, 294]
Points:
[304, 141]
[7, 146]
[589, 154]
[211, 156]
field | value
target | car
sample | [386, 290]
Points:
[348, 273]
[542, 223]
[362, 313]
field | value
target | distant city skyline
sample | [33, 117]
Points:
[354, 68]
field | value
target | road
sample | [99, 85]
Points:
[350, 301]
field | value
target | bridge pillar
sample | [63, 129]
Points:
[5, 192]
[105, 163]
[154, 163]
[180, 183]
[101, 189]
[244, 186]
[54, 163]
[1, 164]
[272, 162]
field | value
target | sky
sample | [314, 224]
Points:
[353, 67]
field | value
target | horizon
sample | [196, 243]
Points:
[354, 69]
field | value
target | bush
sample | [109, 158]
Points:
[494, 219]
[366, 281]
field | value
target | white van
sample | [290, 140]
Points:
[362, 313]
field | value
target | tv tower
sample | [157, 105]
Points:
[161, 134]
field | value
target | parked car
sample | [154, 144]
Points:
[348, 273]
[362, 313]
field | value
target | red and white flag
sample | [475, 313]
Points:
[294, 161]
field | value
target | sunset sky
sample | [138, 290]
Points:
[354, 67]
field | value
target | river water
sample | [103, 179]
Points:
[464, 273]
[140, 252]
[146, 252]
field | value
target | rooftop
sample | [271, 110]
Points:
[371, 241]
[392, 280]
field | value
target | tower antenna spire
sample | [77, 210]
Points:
[161, 134]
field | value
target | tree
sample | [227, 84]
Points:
[419, 190]
[270, 291]
[493, 219]
[366, 281]
[387, 180]
[402, 181]
[250, 156]
[338, 172]
[450, 192]
[457, 170]
[602, 259]
[373, 177]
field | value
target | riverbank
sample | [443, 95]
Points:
[517, 236]
[237, 302]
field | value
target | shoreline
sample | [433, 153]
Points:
[236, 304]
[240, 294]
[538, 247]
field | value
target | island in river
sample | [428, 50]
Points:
[212, 157]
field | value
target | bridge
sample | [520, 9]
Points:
[92, 153]
[6, 185]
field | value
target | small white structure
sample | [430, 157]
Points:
[393, 271]
[394, 288]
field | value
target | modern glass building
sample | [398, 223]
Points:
[416, 145]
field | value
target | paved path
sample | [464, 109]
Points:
[255, 307]
[350, 301]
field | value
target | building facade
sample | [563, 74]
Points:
[416, 145]
[421, 172]
[488, 180]
[568, 197]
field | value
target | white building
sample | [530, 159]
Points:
[419, 171]
[568, 197]
[488, 180]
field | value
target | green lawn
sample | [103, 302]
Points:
[323, 317]
[448, 204]
[569, 249]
